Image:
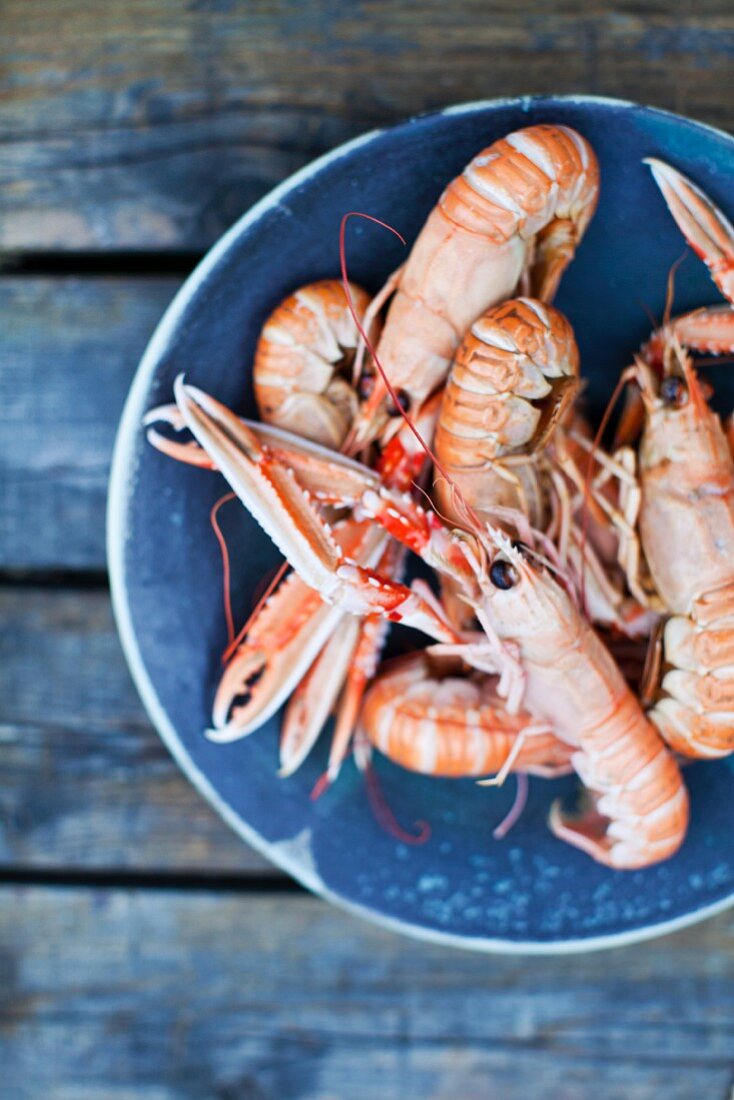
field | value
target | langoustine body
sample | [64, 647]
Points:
[685, 505]
[445, 725]
[511, 378]
[513, 218]
[303, 359]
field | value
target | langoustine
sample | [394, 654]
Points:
[508, 445]
[546, 655]
[513, 218]
[302, 366]
[289, 638]
[638, 811]
[639, 805]
[684, 508]
[511, 380]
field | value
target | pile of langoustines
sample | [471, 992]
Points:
[586, 612]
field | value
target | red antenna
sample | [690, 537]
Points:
[621, 383]
[470, 513]
[385, 817]
[226, 590]
[272, 585]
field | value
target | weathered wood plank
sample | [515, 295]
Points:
[68, 351]
[154, 124]
[168, 995]
[86, 782]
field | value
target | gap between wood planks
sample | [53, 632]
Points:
[95, 580]
[104, 879]
[131, 264]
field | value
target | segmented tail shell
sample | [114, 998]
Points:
[451, 726]
[302, 360]
[525, 180]
[507, 386]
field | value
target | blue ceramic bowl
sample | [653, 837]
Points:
[528, 892]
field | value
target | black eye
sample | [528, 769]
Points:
[403, 403]
[502, 575]
[674, 391]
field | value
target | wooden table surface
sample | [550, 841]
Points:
[144, 951]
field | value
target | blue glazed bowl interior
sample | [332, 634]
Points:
[528, 891]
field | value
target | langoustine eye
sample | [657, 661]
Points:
[502, 574]
[674, 391]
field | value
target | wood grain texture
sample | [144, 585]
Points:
[164, 996]
[154, 124]
[68, 351]
[86, 782]
[149, 127]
